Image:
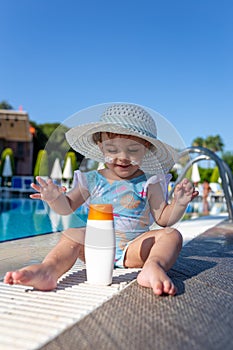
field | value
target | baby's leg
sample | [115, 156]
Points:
[60, 259]
[155, 251]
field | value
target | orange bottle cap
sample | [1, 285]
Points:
[100, 212]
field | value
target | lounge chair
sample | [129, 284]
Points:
[21, 184]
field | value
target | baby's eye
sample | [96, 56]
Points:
[111, 150]
[133, 150]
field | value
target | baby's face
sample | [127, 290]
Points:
[123, 153]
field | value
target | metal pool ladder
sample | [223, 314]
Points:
[224, 172]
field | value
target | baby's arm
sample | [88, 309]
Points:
[56, 198]
[168, 214]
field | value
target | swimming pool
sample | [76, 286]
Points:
[215, 207]
[24, 217]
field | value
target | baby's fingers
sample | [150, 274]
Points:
[35, 196]
[194, 194]
[35, 187]
[41, 181]
[187, 185]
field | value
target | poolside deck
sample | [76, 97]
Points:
[128, 316]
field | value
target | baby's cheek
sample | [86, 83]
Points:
[108, 159]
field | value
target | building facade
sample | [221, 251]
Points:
[16, 133]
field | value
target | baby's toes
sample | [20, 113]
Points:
[169, 288]
[167, 285]
[8, 278]
[173, 290]
[158, 288]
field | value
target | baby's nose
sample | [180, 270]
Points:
[123, 155]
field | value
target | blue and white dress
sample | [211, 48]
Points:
[130, 204]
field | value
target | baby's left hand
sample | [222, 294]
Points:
[185, 192]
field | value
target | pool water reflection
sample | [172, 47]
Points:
[24, 217]
[215, 207]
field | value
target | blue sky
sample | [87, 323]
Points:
[174, 56]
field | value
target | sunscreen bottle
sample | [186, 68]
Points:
[100, 244]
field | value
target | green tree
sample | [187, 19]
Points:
[51, 137]
[214, 143]
[228, 158]
[49, 128]
[198, 142]
[42, 164]
[215, 175]
[205, 173]
[188, 174]
[56, 145]
[74, 162]
[5, 105]
[40, 137]
[39, 141]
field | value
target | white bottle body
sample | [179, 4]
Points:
[99, 251]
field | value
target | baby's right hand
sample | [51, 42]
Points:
[47, 190]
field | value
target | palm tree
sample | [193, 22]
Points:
[198, 142]
[214, 143]
[228, 158]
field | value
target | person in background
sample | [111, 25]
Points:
[206, 189]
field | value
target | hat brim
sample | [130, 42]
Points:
[158, 160]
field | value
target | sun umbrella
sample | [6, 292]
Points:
[7, 169]
[68, 172]
[195, 177]
[56, 173]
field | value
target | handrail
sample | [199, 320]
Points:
[224, 172]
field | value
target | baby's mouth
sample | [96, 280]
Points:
[123, 166]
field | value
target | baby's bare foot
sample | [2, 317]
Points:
[153, 276]
[37, 276]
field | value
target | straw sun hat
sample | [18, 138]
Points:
[127, 119]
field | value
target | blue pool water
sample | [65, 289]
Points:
[215, 208]
[24, 217]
